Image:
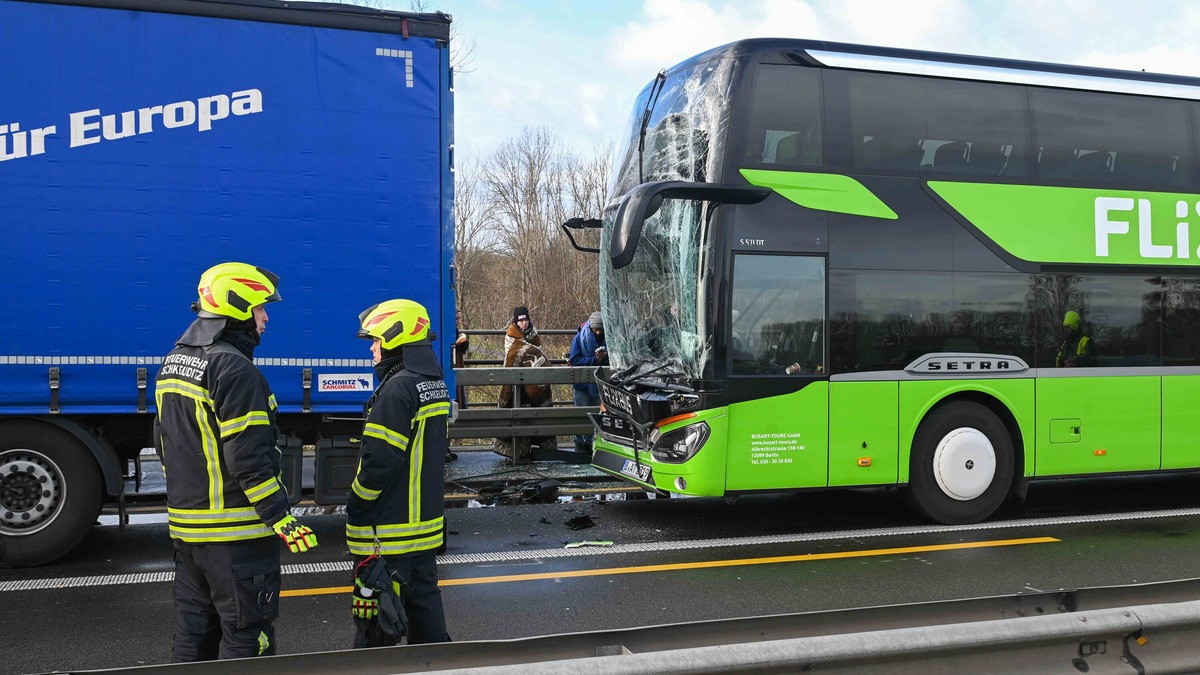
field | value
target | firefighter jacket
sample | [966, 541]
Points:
[216, 435]
[397, 496]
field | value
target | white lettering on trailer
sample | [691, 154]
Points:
[15, 144]
[92, 126]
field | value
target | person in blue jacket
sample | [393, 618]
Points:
[587, 349]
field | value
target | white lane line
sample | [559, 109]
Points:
[648, 547]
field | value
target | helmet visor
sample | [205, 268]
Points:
[362, 320]
[274, 279]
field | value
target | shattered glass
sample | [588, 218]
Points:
[654, 308]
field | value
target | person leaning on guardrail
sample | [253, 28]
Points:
[395, 505]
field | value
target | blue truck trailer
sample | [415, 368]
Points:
[142, 141]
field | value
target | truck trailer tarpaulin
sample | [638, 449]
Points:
[142, 142]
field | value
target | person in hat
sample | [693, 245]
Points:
[523, 349]
[588, 349]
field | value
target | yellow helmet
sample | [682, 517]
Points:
[394, 323]
[1072, 320]
[232, 290]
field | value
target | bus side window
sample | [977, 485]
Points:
[1142, 167]
[801, 147]
[896, 152]
[950, 157]
[989, 158]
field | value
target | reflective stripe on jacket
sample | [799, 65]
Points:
[401, 468]
[216, 435]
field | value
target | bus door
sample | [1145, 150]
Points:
[778, 387]
[1099, 406]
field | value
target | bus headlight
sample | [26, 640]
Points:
[680, 445]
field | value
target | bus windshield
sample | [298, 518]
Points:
[651, 305]
[654, 308]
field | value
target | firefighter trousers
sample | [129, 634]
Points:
[226, 596]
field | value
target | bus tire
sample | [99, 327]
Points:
[40, 525]
[961, 467]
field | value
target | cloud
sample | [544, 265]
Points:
[668, 31]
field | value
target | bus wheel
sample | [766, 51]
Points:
[962, 464]
[49, 492]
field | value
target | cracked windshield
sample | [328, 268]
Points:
[654, 307]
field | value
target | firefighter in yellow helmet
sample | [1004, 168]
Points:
[396, 499]
[1077, 350]
[216, 434]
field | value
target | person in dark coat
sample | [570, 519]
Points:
[588, 349]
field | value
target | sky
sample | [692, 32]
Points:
[575, 66]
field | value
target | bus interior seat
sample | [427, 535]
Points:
[950, 156]
[1145, 168]
[899, 153]
[1091, 166]
[988, 158]
[798, 148]
[1053, 162]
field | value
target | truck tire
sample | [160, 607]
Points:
[962, 464]
[50, 492]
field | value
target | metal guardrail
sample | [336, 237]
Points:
[486, 422]
[1145, 628]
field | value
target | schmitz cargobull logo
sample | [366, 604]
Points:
[346, 382]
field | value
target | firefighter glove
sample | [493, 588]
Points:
[298, 536]
[366, 601]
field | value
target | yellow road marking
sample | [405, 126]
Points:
[705, 564]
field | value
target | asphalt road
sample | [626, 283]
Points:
[508, 574]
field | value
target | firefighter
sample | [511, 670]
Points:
[1077, 350]
[216, 435]
[395, 505]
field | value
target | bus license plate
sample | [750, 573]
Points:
[634, 470]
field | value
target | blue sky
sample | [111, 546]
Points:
[574, 66]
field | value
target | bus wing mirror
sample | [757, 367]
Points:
[581, 224]
[645, 200]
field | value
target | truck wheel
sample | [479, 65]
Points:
[962, 464]
[50, 492]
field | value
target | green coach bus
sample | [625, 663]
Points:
[832, 266]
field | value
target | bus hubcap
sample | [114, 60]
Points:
[31, 492]
[964, 464]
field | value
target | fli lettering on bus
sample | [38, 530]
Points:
[1107, 227]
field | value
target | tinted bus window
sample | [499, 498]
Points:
[1109, 138]
[778, 316]
[785, 116]
[918, 125]
[1181, 322]
[1118, 314]
[886, 320]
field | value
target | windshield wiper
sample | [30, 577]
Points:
[651, 99]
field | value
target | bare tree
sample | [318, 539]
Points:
[524, 178]
[462, 50]
[474, 244]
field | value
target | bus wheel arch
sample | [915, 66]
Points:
[52, 491]
[963, 462]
